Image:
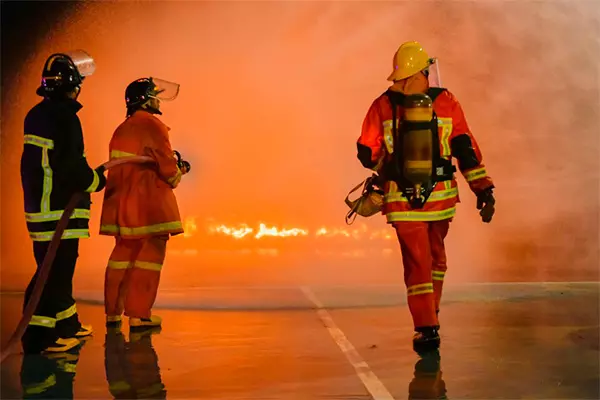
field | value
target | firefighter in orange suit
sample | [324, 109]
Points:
[422, 225]
[140, 209]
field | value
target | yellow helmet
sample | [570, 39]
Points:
[410, 59]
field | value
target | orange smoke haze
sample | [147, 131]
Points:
[272, 99]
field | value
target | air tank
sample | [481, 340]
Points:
[417, 140]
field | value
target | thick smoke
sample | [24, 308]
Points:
[272, 100]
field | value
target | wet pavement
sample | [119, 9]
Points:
[499, 341]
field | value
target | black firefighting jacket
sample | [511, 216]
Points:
[53, 168]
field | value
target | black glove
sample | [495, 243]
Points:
[485, 203]
[100, 171]
[183, 165]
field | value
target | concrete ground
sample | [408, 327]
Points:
[499, 341]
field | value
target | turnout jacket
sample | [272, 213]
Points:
[139, 201]
[376, 143]
[53, 168]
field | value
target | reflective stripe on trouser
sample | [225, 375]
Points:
[56, 313]
[132, 276]
[437, 234]
[48, 322]
[419, 243]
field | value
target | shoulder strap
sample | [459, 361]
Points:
[434, 92]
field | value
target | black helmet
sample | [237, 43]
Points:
[138, 93]
[60, 76]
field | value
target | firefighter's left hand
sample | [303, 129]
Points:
[485, 203]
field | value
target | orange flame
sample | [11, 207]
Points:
[244, 230]
[264, 231]
[236, 233]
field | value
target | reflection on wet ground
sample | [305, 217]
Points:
[537, 342]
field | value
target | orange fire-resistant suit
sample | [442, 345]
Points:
[421, 232]
[141, 211]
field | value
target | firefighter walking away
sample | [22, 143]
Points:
[409, 137]
[53, 168]
[140, 209]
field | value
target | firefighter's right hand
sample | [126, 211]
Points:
[100, 171]
[485, 203]
[184, 166]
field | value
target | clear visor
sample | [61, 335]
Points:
[83, 61]
[433, 73]
[165, 90]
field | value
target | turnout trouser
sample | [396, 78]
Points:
[424, 259]
[133, 275]
[56, 314]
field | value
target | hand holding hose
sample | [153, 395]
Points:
[183, 165]
[485, 203]
[44, 270]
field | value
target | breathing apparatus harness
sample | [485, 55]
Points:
[415, 163]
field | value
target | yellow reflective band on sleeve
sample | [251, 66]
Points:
[118, 264]
[95, 182]
[47, 184]
[39, 388]
[55, 215]
[475, 174]
[39, 141]
[68, 313]
[446, 125]
[398, 216]
[67, 234]
[174, 181]
[46, 322]
[142, 230]
[120, 154]
[438, 275]
[422, 288]
[388, 135]
[435, 196]
[148, 265]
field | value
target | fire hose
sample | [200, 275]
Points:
[44, 270]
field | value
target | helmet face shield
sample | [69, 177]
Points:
[164, 90]
[64, 72]
[83, 62]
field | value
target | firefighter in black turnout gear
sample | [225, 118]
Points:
[53, 168]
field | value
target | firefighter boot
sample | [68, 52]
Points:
[426, 339]
[144, 323]
[113, 321]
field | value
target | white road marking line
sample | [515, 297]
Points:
[373, 385]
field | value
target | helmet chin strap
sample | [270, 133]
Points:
[151, 109]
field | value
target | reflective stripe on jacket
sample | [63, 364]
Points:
[53, 168]
[456, 141]
[139, 200]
